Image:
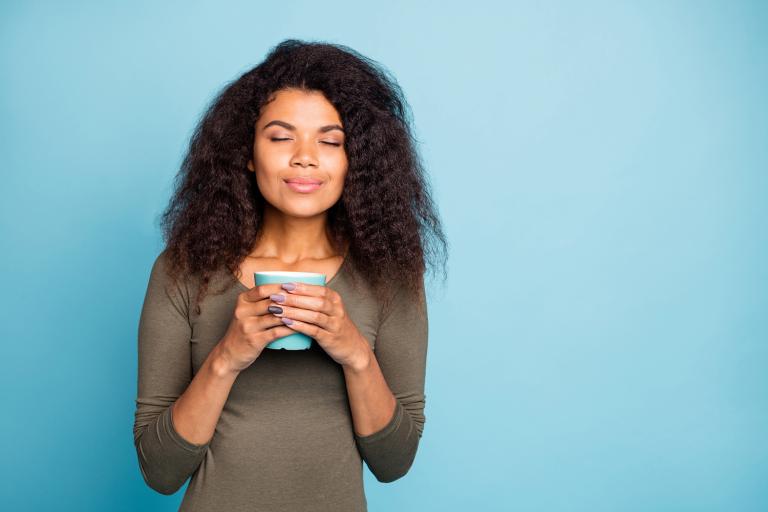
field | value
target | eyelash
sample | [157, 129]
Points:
[324, 142]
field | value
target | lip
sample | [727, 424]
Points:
[303, 186]
[304, 180]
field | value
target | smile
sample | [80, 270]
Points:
[303, 188]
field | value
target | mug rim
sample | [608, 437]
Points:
[288, 273]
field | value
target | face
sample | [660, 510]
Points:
[299, 137]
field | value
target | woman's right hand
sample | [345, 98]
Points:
[252, 327]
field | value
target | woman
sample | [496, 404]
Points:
[305, 163]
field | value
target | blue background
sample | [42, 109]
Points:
[602, 172]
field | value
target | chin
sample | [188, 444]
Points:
[307, 210]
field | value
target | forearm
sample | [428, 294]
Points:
[196, 412]
[371, 401]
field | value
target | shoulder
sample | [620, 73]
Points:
[164, 268]
[397, 294]
[404, 299]
[174, 281]
[161, 263]
[161, 271]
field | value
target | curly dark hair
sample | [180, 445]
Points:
[385, 214]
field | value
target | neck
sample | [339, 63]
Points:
[293, 239]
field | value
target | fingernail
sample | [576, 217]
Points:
[277, 297]
[287, 321]
[288, 286]
[275, 309]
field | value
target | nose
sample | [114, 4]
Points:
[306, 153]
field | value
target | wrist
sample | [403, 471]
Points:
[362, 361]
[221, 363]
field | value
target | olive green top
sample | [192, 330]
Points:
[285, 439]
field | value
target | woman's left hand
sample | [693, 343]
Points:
[319, 312]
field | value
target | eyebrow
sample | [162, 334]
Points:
[289, 126]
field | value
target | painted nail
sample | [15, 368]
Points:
[288, 286]
[287, 321]
[277, 297]
[275, 309]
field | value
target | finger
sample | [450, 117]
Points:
[304, 315]
[312, 290]
[275, 333]
[257, 324]
[246, 308]
[310, 330]
[261, 291]
[267, 322]
[320, 304]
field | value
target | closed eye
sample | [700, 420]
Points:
[275, 139]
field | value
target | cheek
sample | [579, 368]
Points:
[341, 166]
[268, 183]
[337, 188]
[268, 168]
[270, 159]
[339, 176]
[262, 183]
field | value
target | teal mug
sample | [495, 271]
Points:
[296, 340]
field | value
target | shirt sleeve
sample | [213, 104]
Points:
[165, 458]
[401, 351]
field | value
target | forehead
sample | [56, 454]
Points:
[299, 108]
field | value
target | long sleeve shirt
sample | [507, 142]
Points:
[285, 439]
